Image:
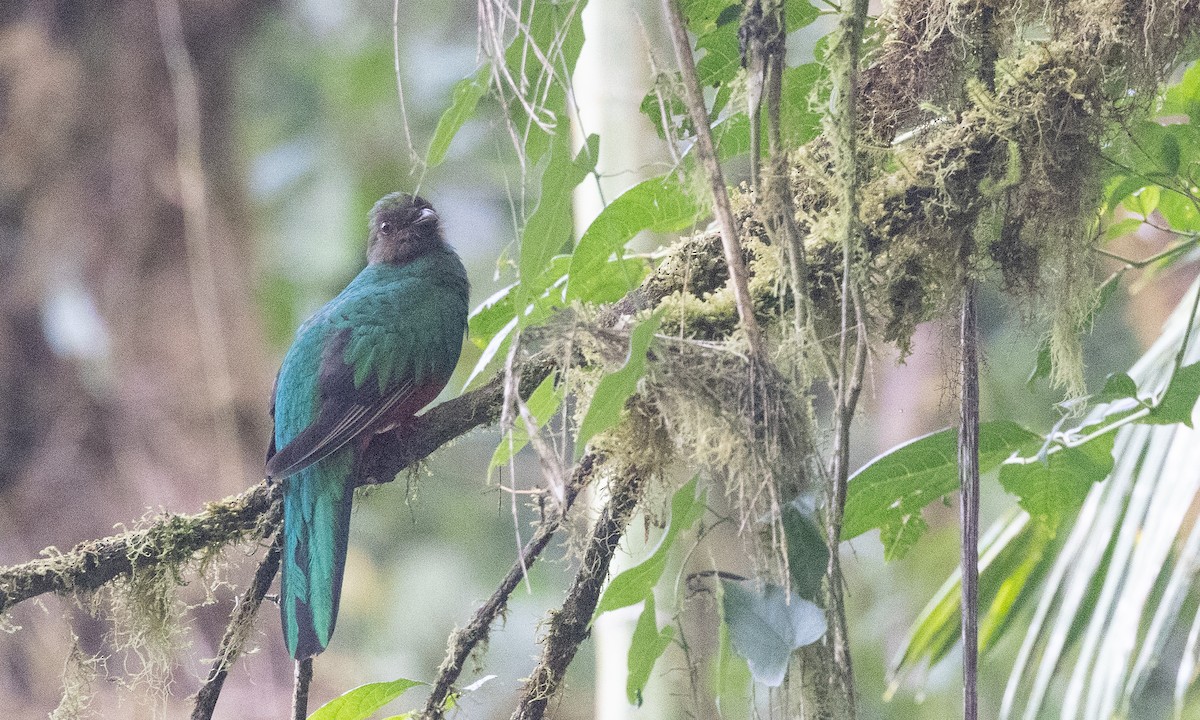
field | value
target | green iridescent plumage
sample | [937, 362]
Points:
[364, 364]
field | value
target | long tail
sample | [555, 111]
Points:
[316, 528]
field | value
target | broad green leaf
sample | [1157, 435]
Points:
[491, 316]
[1012, 559]
[807, 551]
[493, 324]
[1183, 98]
[1121, 187]
[362, 702]
[1117, 386]
[1179, 211]
[637, 583]
[731, 681]
[1051, 490]
[549, 227]
[464, 98]
[1143, 202]
[645, 649]
[608, 402]
[798, 121]
[1122, 228]
[542, 403]
[890, 491]
[659, 204]
[798, 14]
[765, 627]
[1179, 399]
[589, 154]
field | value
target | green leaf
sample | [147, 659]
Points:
[731, 681]
[1051, 490]
[1180, 212]
[542, 403]
[1122, 228]
[659, 204]
[549, 227]
[645, 649]
[1143, 202]
[637, 583]
[1183, 98]
[807, 551]
[608, 402]
[798, 121]
[890, 491]
[798, 14]
[765, 627]
[589, 154]
[362, 702]
[1012, 559]
[464, 98]
[1116, 387]
[493, 324]
[1179, 399]
[1121, 187]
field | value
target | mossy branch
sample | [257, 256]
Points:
[463, 642]
[569, 626]
[234, 640]
[175, 539]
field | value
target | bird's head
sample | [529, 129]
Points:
[403, 227]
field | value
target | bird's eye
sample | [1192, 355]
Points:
[385, 228]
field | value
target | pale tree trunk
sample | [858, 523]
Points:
[612, 76]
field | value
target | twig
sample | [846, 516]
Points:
[464, 641]
[239, 625]
[569, 625]
[413, 157]
[845, 141]
[968, 474]
[304, 671]
[708, 158]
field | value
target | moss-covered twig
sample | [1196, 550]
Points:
[463, 642]
[707, 153]
[239, 626]
[570, 624]
[844, 129]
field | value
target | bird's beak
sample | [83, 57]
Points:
[427, 215]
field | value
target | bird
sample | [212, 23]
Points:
[363, 365]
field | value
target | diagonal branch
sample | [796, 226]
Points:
[464, 641]
[239, 625]
[570, 625]
[708, 157]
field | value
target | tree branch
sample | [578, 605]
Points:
[175, 539]
[708, 158]
[463, 642]
[239, 625]
[569, 626]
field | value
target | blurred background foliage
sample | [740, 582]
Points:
[104, 417]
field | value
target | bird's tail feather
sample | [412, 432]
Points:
[316, 528]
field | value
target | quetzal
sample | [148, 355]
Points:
[363, 365]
